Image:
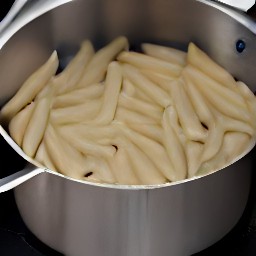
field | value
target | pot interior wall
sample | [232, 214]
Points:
[172, 23]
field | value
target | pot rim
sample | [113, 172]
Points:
[29, 16]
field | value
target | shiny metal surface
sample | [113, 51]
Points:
[79, 220]
[83, 219]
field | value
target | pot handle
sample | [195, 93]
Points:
[13, 12]
[17, 178]
[244, 5]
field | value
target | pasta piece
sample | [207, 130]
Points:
[30, 88]
[161, 80]
[43, 157]
[99, 169]
[110, 98]
[200, 78]
[19, 122]
[96, 69]
[122, 168]
[36, 127]
[234, 144]
[190, 122]
[131, 117]
[234, 107]
[174, 121]
[75, 114]
[139, 106]
[79, 96]
[213, 143]
[152, 131]
[143, 166]
[168, 54]
[199, 103]
[85, 145]
[143, 61]
[174, 147]
[193, 154]
[203, 62]
[156, 153]
[128, 88]
[148, 87]
[91, 132]
[70, 76]
[66, 159]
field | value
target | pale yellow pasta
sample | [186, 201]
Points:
[79, 96]
[174, 121]
[42, 156]
[120, 117]
[156, 153]
[221, 101]
[110, 98]
[77, 113]
[143, 166]
[61, 154]
[31, 87]
[174, 147]
[145, 85]
[193, 151]
[100, 170]
[225, 93]
[96, 133]
[96, 69]
[161, 80]
[125, 115]
[122, 168]
[188, 118]
[36, 127]
[168, 54]
[234, 144]
[19, 123]
[85, 145]
[139, 106]
[143, 61]
[70, 76]
[199, 103]
[128, 88]
[203, 62]
[152, 131]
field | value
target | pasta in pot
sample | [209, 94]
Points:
[121, 117]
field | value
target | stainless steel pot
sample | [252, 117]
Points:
[79, 218]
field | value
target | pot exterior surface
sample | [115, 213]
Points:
[79, 219]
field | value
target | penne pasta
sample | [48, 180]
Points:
[19, 123]
[122, 169]
[168, 54]
[139, 106]
[79, 96]
[174, 147]
[97, 67]
[204, 63]
[143, 61]
[188, 118]
[149, 88]
[130, 118]
[36, 127]
[70, 76]
[30, 88]
[75, 114]
[110, 98]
